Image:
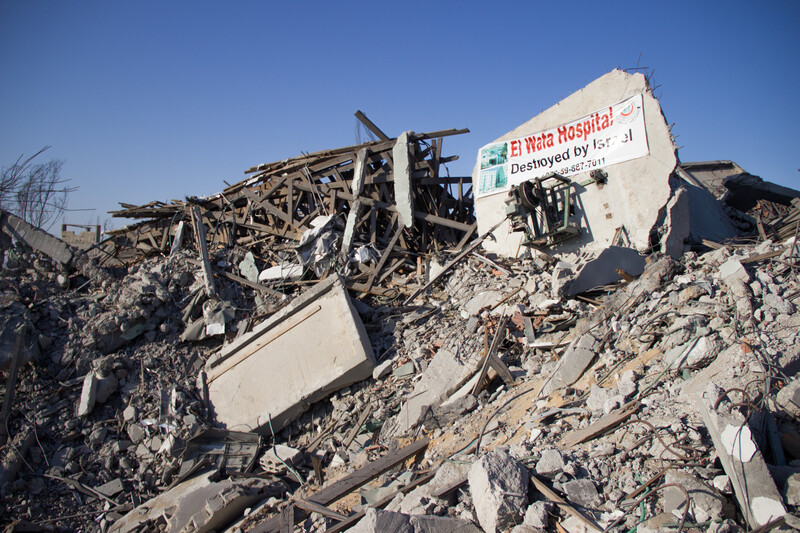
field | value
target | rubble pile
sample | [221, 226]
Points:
[603, 399]
[330, 346]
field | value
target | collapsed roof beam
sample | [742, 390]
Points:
[370, 126]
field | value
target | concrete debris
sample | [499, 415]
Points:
[581, 492]
[788, 398]
[604, 269]
[706, 503]
[321, 326]
[377, 521]
[160, 372]
[498, 484]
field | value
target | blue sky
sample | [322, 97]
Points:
[154, 100]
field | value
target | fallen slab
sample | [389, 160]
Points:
[199, 505]
[310, 349]
[55, 248]
[756, 493]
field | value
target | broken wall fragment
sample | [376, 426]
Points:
[636, 190]
[310, 349]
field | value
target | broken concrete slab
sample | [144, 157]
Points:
[744, 191]
[756, 493]
[573, 363]
[445, 373]
[498, 484]
[38, 239]
[602, 269]
[642, 182]
[705, 216]
[253, 381]
[379, 521]
[198, 505]
[697, 353]
[55, 248]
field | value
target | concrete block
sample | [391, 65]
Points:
[129, 413]
[573, 363]
[498, 484]
[708, 504]
[382, 369]
[602, 270]
[111, 489]
[732, 270]
[88, 394]
[582, 492]
[788, 398]
[636, 191]
[550, 464]
[538, 515]
[313, 347]
[285, 454]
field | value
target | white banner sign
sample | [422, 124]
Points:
[610, 135]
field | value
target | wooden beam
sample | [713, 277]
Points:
[385, 256]
[313, 507]
[202, 245]
[452, 263]
[348, 484]
[370, 126]
[352, 520]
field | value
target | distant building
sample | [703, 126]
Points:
[81, 240]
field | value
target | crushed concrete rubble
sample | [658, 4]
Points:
[242, 383]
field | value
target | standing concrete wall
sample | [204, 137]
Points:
[636, 190]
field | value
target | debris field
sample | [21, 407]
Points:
[353, 339]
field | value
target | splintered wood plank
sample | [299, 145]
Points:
[370, 126]
[605, 423]
[348, 484]
[200, 234]
[287, 519]
[352, 520]
[385, 256]
[313, 507]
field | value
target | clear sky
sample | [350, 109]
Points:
[155, 100]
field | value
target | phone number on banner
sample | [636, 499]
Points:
[583, 165]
